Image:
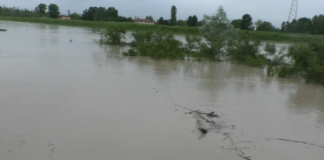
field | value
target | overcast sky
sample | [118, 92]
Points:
[275, 11]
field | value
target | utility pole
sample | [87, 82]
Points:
[293, 11]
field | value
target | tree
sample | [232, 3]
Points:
[100, 14]
[237, 23]
[318, 24]
[173, 20]
[264, 26]
[160, 21]
[190, 21]
[304, 25]
[53, 11]
[69, 12]
[283, 26]
[1, 10]
[149, 18]
[88, 14]
[219, 33]
[112, 14]
[194, 21]
[181, 23]
[41, 9]
[75, 16]
[246, 23]
[166, 22]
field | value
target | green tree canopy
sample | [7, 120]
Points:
[160, 21]
[194, 20]
[112, 13]
[173, 19]
[75, 16]
[181, 23]
[41, 9]
[190, 21]
[318, 24]
[149, 18]
[89, 14]
[218, 32]
[304, 25]
[53, 11]
[246, 23]
[264, 26]
[237, 23]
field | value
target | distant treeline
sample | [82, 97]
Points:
[302, 25]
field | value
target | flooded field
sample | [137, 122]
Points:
[63, 97]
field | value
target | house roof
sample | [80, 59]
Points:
[143, 20]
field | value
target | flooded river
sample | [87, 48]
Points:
[62, 100]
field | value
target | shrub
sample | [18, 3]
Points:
[113, 35]
[308, 61]
[130, 52]
[270, 48]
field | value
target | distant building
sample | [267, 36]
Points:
[64, 17]
[144, 21]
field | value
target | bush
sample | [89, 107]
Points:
[130, 52]
[158, 45]
[247, 51]
[113, 35]
[270, 48]
[308, 61]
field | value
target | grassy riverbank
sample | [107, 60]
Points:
[94, 24]
[264, 36]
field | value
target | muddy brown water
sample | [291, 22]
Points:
[62, 100]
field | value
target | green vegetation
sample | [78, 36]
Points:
[113, 36]
[308, 61]
[127, 25]
[53, 11]
[41, 9]
[246, 23]
[173, 20]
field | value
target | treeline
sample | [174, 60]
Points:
[192, 21]
[41, 10]
[103, 14]
[17, 12]
[302, 25]
[305, 25]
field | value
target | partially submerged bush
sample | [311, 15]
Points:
[113, 35]
[219, 34]
[158, 45]
[309, 61]
[247, 51]
[270, 48]
[130, 52]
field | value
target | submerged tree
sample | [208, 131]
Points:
[173, 16]
[53, 11]
[219, 33]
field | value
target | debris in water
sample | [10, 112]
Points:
[203, 130]
[3, 30]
